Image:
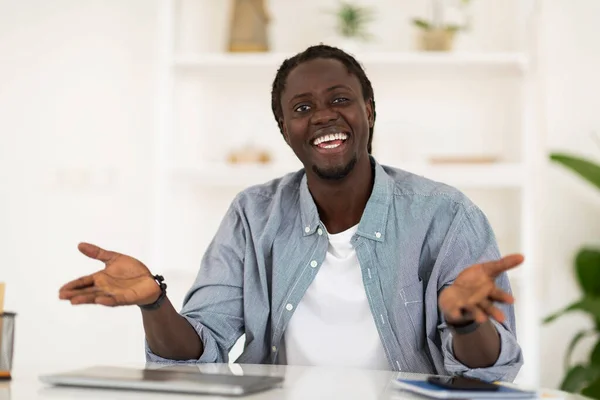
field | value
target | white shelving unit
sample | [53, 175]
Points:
[513, 72]
[516, 62]
[493, 176]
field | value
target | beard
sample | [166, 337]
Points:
[337, 172]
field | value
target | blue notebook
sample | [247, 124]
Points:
[427, 389]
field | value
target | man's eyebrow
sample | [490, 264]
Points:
[329, 89]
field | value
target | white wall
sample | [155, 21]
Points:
[76, 122]
[569, 208]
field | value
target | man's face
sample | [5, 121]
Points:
[326, 120]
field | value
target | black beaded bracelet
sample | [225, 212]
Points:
[163, 294]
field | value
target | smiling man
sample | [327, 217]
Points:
[345, 262]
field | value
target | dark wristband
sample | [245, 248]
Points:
[163, 294]
[465, 328]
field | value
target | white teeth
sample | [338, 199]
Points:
[329, 138]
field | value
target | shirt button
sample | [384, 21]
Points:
[320, 231]
[377, 235]
[274, 348]
[313, 264]
[289, 307]
[307, 229]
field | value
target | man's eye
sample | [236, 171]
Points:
[302, 108]
[340, 100]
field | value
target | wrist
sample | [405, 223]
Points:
[157, 300]
[463, 327]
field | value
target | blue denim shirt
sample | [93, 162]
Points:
[414, 237]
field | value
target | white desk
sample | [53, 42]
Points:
[301, 383]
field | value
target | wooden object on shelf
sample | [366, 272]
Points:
[463, 160]
[248, 30]
[436, 39]
[249, 155]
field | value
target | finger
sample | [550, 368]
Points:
[451, 304]
[493, 311]
[108, 301]
[470, 312]
[478, 314]
[456, 314]
[501, 296]
[85, 299]
[97, 253]
[69, 294]
[495, 268]
[79, 283]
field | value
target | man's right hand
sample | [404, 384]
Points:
[123, 281]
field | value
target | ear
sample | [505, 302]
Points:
[370, 113]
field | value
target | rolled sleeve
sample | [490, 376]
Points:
[211, 353]
[214, 303]
[474, 242]
[504, 369]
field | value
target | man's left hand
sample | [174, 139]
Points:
[474, 292]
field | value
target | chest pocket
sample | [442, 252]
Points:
[412, 297]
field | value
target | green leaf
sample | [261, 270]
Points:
[592, 390]
[421, 23]
[590, 305]
[595, 356]
[580, 335]
[453, 28]
[579, 377]
[586, 169]
[587, 265]
[352, 20]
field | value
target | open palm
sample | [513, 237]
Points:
[123, 281]
[474, 292]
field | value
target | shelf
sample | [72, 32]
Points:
[492, 176]
[513, 61]
[227, 175]
[489, 176]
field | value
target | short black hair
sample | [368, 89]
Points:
[312, 53]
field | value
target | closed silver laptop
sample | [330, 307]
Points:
[164, 380]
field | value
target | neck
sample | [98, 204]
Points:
[341, 203]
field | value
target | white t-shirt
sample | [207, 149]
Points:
[333, 323]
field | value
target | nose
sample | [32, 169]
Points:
[323, 115]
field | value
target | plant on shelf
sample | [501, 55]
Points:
[352, 21]
[436, 34]
[583, 378]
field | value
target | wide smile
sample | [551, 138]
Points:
[331, 142]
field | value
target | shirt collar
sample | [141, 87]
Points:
[374, 219]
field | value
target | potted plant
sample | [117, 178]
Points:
[436, 34]
[352, 20]
[583, 378]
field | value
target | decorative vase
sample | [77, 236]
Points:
[436, 39]
[248, 29]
